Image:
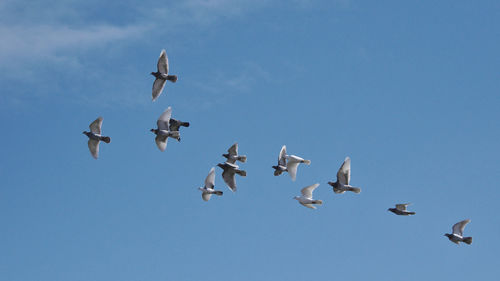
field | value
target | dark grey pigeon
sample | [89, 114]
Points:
[401, 210]
[343, 179]
[281, 167]
[228, 175]
[162, 75]
[175, 126]
[95, 137]
[457, 235]
[163, 132]
[208, 189]
[232, 155]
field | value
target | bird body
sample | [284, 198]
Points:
[306, 198]
[232, 155]
[401, 210]
[208, 189]
[457, 233]
[161, 75]
[228, 174]
[343, 179]
[95, 137]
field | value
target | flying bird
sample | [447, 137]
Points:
[208, 189]
[228, 175]
[95, 137]
[175, 126]
[292, 164]
[161, 75]
[232, 155]
[401, 210]
[281, 167]
[343, 179]
[163, 132]
[457, 235]
[306, 197]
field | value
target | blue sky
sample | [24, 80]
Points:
[408, 90]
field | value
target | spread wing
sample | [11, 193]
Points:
[206, 196]
[311, 206]
[163, 121]
[344, 173]
[161, 142]
[210, 180]
[228, 176]
[95, 127]
[94, 148]
[458, 228]
[163, 62]
[292, 169]
[281, 157]
[402, 207]
[233, 150]
[174, 125]
[307, 191]
[158, 87]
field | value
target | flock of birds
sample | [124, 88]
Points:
[168, 127]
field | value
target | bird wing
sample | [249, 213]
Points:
[307, 191]
[344, 173]
[210, 180]
[161, 142]
[158, 87]
[95, 127]
[164, 119]
[228, 176]
[163, 62]
[206, 196]
[402, 207]
[311, 206]
[174, 125]
[458, 228]
[94, 148]
[281, 157]
[292, 169]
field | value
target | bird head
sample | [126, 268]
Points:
[153, 130]
[225, 155]
[84, 132]
[153, 73]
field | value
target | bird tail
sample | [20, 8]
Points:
[242, 158]
[218, 192]
[467, 240]
[318, 202]
[184, 124]
[172, 78]
[307, 162]
[242, 173]
[412, 213]
[354, 189]
[106, 139]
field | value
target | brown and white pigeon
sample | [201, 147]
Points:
[161, 75]
[306, 198]
[208, 189]
[343, 179]
[232, 155]
[457, 233]
[228, 175]
[401, 210]
[95, 137]
[163, 132]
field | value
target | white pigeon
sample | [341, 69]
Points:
[292, 164]
[343, 179]
[228, 175]
[232, 155]
[457, 235]
[208, 189]
[95, 137]
[163, 133]
[281, 167]
[306, 197]
[161, 75]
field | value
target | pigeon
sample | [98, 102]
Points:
[281, 167]
[457, 235]
[161, 75]
[175, 126]
[162, 133]
[306, 197]
[228, 174]
[95, 137]
[401, 210]
[343, 179]
[292, 164]
[232, 155]
[208, 189]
